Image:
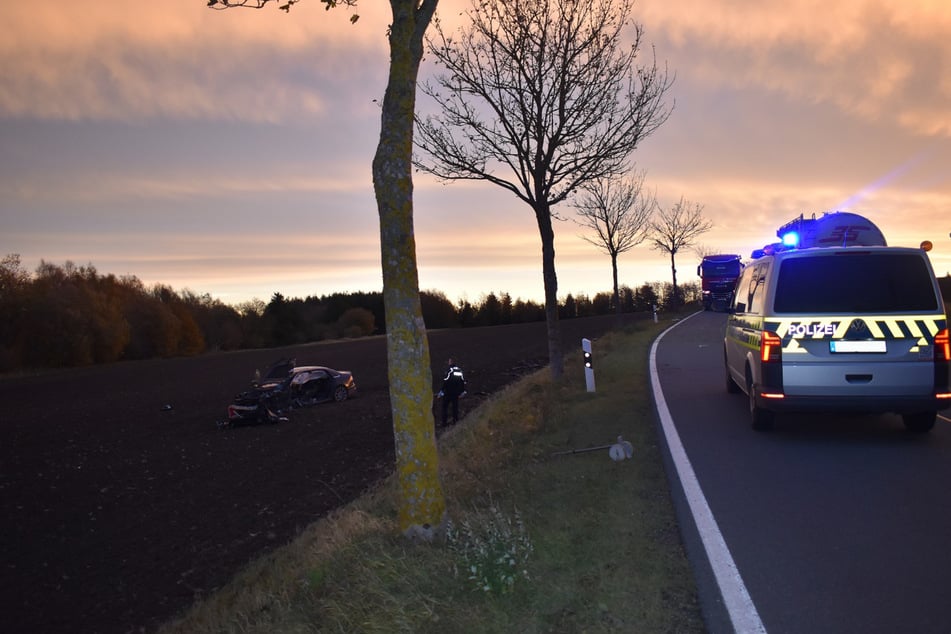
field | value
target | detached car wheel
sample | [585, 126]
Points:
[920, 422]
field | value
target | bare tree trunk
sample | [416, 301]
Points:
[673, 273]
[422, 504]
[555, 356]
[617, 294]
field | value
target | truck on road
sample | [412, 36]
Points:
[718, 274]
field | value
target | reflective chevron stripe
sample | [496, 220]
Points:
[794, 329]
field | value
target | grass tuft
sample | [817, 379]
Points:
[492, 550]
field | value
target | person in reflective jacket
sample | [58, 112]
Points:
[453, 387]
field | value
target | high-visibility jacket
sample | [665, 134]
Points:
[454, 382]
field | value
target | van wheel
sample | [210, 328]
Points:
[920, 422]
[762, 419]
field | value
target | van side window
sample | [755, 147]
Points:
[741, 300]
[757, 289]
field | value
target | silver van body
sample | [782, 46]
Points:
[858, 329]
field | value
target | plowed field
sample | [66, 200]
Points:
[122, 501]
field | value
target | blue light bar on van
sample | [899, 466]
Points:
[791, 239]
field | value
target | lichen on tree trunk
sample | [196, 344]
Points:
[422, 504]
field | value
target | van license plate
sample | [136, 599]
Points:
[857, 346]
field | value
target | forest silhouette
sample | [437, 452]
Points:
[69, 315]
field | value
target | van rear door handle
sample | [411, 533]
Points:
[858, 378]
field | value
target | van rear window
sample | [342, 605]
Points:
[860, 282]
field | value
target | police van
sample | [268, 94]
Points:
[832, 319]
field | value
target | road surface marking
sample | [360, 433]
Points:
[736, 599]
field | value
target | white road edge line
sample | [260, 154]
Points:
[945, 418]
[743, 614]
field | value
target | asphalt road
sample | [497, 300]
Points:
[834, 524]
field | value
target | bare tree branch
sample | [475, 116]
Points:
[545, 89]
[221, 5]
[618, 211]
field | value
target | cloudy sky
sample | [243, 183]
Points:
[229, 152]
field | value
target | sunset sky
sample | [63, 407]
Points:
[229, 152]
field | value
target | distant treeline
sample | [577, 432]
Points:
[70, 315]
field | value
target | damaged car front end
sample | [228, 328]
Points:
[286, 386]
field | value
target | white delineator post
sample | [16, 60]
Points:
[588, 367]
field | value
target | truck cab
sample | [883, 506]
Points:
[718, 274]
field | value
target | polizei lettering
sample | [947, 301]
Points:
[798, 331]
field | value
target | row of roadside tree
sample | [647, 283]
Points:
[62, 316]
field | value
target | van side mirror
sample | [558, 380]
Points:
[739, 308]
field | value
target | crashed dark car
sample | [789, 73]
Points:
[286, 386]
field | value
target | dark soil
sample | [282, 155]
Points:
[122, 502]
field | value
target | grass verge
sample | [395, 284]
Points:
[543, 537]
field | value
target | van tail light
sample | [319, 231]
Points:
[770, 347]
[942, 346]
[942, 365]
